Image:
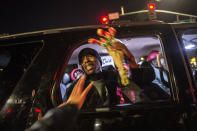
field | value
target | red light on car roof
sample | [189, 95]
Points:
[104, 20]
[151, 6]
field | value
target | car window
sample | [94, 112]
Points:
[149, 80]
[189, 40]
[14, 62]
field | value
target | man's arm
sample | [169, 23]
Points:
[64, 116]
[119, 46]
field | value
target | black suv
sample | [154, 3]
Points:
[34, 66]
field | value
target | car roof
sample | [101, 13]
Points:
[61, 30]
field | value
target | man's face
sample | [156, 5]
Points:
[90, 64]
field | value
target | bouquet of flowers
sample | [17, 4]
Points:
[108, 42]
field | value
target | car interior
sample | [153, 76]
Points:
[144, 76]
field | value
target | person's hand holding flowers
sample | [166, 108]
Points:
[115, 48]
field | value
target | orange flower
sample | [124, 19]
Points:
[92, 41]
[112, 31]
[108, 35]
[100, 32]
[103, 40]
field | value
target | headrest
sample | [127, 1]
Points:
[143, 76]
[109, 67]
[145, 64]
[66, 78]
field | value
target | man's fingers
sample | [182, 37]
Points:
[74, 91]
[85, 92]
[81, 85]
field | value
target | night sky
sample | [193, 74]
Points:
[18, 16]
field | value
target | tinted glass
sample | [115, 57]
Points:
[14, 62]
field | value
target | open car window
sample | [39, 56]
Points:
[148, 83]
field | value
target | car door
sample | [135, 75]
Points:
[16, 59]
[186, 34]
[158, 114]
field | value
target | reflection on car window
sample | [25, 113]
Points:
[148, 82]
[14, 61]
[190, 44]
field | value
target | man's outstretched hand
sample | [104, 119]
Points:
[54, 119]
[78, 95]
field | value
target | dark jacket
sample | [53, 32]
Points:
[93, 98]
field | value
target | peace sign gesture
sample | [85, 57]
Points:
[78, 95]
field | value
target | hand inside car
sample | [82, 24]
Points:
[117, 50]
[78, 96]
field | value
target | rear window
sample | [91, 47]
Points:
[14, 62]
